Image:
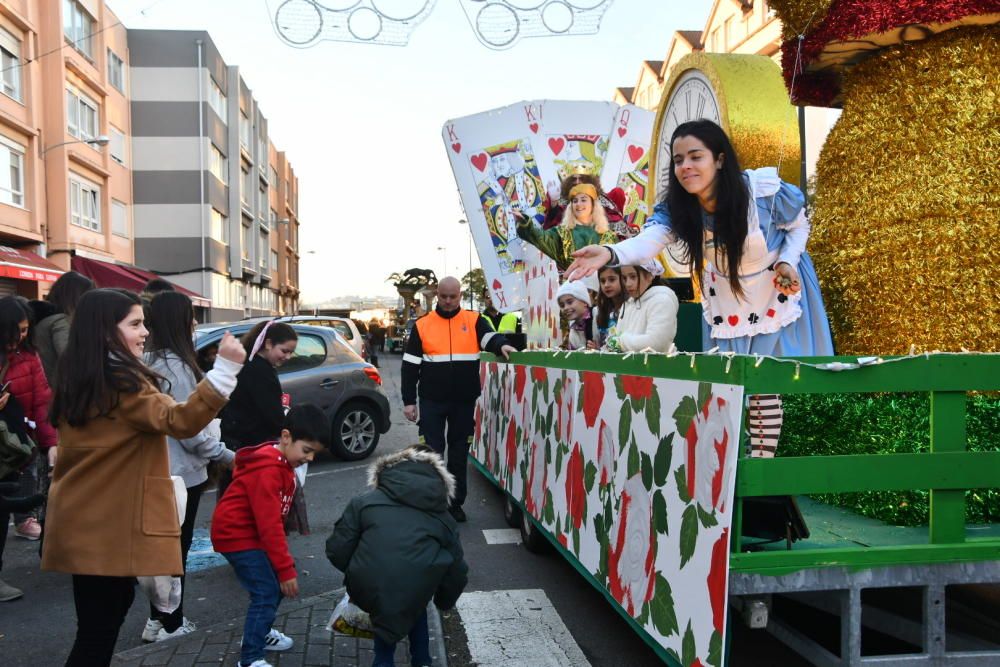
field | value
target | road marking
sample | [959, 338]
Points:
[502, 536]
[517, 629]
[321, 472]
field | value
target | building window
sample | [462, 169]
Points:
[246, 186]
[84, 204]
[116, 71]
[10, 65]
[262, 204]
[117, 145]
[273, 177]
[262, 153]
[217, 99]
[218, 165]
[119, 218]
[78, 26]
[82, 116]
[218, 227]
[11, 172]
[265, 244]
[244, 131]
[247, 244]
[727, 32]
[274, 260]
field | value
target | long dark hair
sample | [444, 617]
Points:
[732, 203]
[90, 381]
[171, 315]
[277, 333]
[605, 305]
[67, 290]
[12, 313]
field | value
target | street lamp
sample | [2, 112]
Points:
[101, 140]
[463, 221]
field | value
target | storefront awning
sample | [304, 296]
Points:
[26, 265]
[107, 274]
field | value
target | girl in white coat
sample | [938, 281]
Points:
[649, 317]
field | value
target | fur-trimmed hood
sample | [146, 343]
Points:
[413, 477]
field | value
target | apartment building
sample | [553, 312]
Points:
[215, 203]
[65, 189]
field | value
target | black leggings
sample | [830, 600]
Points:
[101, 606]
[173, 620]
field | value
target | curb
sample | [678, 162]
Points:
[139, 654]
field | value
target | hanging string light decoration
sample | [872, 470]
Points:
[304, 23]
[499, 24]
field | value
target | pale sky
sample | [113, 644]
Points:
[361, 123]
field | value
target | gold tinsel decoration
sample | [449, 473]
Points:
[799, 15]
[906, 230]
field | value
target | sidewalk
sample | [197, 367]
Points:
[302, 620]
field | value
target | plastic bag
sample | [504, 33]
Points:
[164, 591]
[349, 619]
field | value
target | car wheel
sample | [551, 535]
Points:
[355, 432]
[511, 512]
[531, 537]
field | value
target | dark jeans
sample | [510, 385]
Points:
[420, 646]
[256, 575]
[173, 620]
[458, 417]
[101, 606]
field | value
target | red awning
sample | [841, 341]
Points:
[26, 265]
[106, 274]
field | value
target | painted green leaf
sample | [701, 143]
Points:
[534, 398]
[633, 459]
[660, 514]
[548, 511]
[646, 466]
[680, 476]
[707, 518]
[704, 392]
[558, 388]
[599, 524]
[624, 426]
[662, 460]
[644, 615]
[548, 419]
[689, 534]
[684, 414]
[576, 541]
[715, 649]
[653, 413]
[638, 403]
[559, 457]
[689, 652]
[662, 608]
[589, 475]
[619, 389]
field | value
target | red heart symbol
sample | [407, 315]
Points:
[457, 147]
[479, 161]
[635, 152]
[770, 312]
[556, 144]
[733, 320]
[622, 131]
[534, 128]
[497, 284]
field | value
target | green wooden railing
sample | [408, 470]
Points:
[948, 470]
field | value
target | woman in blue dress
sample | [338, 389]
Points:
[719, 216]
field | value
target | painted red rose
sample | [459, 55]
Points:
[707, 445]
[537, 481]
[607, 450]
[637, 387]
[563, 540]
[632, 551]
[520, 378]
[482, 375]
[479, 423]
[717, 576]
[576, 495]
[593, 396]
[539, 374]
[696, 663]
[511, 447]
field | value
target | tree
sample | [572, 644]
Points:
[474, 285]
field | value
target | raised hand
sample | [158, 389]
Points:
[588, 261]
[231, 349]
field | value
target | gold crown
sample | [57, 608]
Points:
[578, 168]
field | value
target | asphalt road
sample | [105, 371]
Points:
[38, 630]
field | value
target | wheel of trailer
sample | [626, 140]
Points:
[511, 512]
[532, 538]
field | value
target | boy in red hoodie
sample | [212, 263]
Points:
[248, 526]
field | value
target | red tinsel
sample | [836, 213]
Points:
[856, 19]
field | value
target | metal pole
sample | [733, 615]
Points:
[803, 176]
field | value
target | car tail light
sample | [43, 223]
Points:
[374, 375]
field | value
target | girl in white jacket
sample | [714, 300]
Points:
[649, 318]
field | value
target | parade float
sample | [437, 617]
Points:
[634, 467]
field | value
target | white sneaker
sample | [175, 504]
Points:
[276, 641]
[255, 663]
[186, 628]
[151, 630]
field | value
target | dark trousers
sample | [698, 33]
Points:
[173, 620]
[420, 646]
[450, 424]
[257, 577]
[101, 606]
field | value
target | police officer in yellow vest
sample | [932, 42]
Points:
[442, 357]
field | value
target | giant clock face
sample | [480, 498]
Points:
[692, 98]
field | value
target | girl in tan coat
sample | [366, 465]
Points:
[112, 513]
